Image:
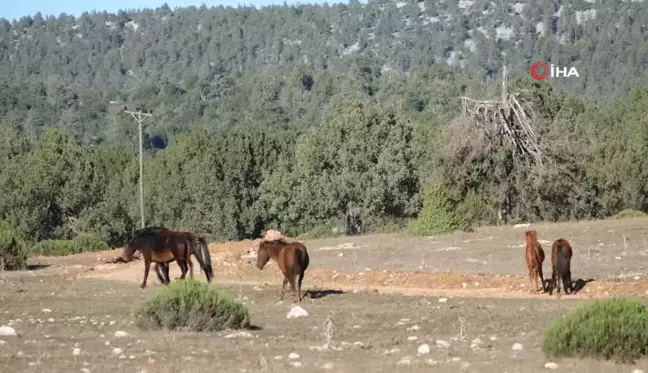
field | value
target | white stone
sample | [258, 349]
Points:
[296, 312]
[293, 356]
[120, 333]
[7, 331]
[46, 310]
[551, 365]
[117, 351]
[443, 300]
[328, 366]
[243, 334]
[296, 364]
[76, 352]
[431, 362]
[517, 347]
[412, 338]
[404, 362]
[442, 343]
[424, 349]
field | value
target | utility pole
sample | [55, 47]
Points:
[139, 117]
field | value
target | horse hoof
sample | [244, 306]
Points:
[142, 286]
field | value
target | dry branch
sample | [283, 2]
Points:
[508, 119]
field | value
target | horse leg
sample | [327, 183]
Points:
[299, 283]
[167, 278]
[293, 286]
[283, 288]
[190, 264]
[147, 268]
[552, 283]
[160, 274]
[183, 267]
[541, 278]
[532, 280]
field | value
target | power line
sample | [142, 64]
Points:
[139, 117]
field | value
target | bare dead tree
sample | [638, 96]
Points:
[506, 120]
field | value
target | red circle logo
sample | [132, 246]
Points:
[537, 66]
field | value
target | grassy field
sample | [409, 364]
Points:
[387, 305]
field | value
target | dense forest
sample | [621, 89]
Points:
[318, 120]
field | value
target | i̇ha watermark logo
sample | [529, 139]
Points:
[540, 71]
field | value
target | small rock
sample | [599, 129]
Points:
[117, 351]
[239, 334]
[442, 343]
[431, 362]
[455, 359]
[85, 370]
[517, 347]
[328, 366]
[278, 357]
[120, 333]
[76, 352]
[404, 362]
[493, 338]
[20, 354]
[551, 365]
[293, 356]
[107, 343]
[477, 341]
[637, 371]
[424, 349]
[413, 328]
[412, 338]
[296, 312]
[7, 331]
[112, 322]
[296, 364]
[443, 300]
[46, 310]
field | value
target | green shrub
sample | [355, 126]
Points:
[83, 242]
[193, 306]
[610, 329]
[13, 250]
[89, 242]
[629, 214]
[438, 215]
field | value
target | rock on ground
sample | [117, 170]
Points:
[7, 331]
[296, 312]
[551, 365]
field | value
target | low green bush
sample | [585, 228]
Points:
[84, 242]
[13, 250]
[613, 329]
[438, 214]
[192, 306]
[629, 214]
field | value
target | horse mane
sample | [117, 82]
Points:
[531, 237]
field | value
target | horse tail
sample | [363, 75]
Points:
[561, 262]
[203, 256]
[301, 258]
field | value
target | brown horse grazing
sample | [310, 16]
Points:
[534, 258]
[292, 259]
[561, 254]
[162, 246]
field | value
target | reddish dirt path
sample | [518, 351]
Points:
[233, 265]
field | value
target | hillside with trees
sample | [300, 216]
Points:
[318, 120]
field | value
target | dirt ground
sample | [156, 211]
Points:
[465, 295]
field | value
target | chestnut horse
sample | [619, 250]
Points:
[162, 246]
[292, 259]
[534, 258]
[561, 254]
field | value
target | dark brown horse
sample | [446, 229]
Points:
[292, 259]
[162, 246]
[534, 257]
[561, 254]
